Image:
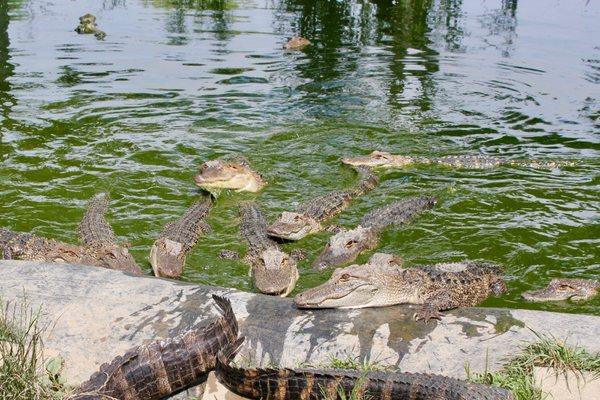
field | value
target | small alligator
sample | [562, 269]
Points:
[296, 43]
[87, 25]
[382, 159]
[346, 245]
[99, 249]
[565, 289]
[313, 384]
[156, 370]
[167, 255]
[229, 173]
[383, 282]
[273, 271]
[308, 217]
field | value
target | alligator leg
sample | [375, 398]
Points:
[436, 302]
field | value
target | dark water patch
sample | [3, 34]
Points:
[240, 80]
[229, 70]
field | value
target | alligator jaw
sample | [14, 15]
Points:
[225, 173]
[293, 226]
[167, 258]
[564, 289]
[345, 246]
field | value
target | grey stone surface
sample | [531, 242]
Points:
[95, 314]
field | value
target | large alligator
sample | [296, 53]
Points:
[167, 255]
[313, 384]
[156, 370]
[100, 248]
[273, 271]
[346, 245]
[382, 159]
[383, 282]
[229, 173]
[565, 289]
[308, 217]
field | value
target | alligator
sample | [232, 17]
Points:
[305, 384]
[99, 243]
[87, 25]
[273, 271]
[167, 255]
[382, 159]
[156, 370]
[308, 217]
[229, 173]
[384, 282]
[565, 289]
[296, 43]
[346, 245]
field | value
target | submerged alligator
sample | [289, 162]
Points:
[383, 282]
[308, 217]
[296, 43]
[273, 271]
[382, 159]
[87, 25]
[156, 370]
[99, 249]
[229, 173]
[305, 384]
[346, 245]
[565, 289]
[167, 255]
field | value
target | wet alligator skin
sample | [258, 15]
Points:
[304, 384]
[93, 229]
[254, 229]
[25, 246]
[163, 367]
[187, 229]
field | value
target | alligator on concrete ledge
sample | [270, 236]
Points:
[383, 282]
[382, 159]
[229, 173]
[87, 25]
[156, 370]
[305, 384]
[167, 255]
[346, 245]
[565, 289]
[308, 216]
[273, 271]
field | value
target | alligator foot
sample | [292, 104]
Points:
[427, 312]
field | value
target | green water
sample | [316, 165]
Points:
[177, 83]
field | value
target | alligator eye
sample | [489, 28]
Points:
[283, 262]
[345, 277]
[297, 218]
[564, 287]
[351, 244]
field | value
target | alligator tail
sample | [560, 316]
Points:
[229, 319]
[93, 228]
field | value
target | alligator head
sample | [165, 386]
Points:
[234, 173]
[296, 43]
[275, 273]
[379, 159]
[293, 226]
[564, 289]
[345, 246]
[167, 258]
[356, 286]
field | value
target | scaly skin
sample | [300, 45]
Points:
[308, 217]
[229, 173]
[565, 289]
[167, 255]
[382, 159]
[273, 271]
[25, 246]
[383, 282]
[93, 229]
[87, 25]
[156, 370]
[346, 245]
[309, 384]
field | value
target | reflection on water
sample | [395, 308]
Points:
[179, 82]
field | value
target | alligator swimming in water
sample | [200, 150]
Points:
[313, 384]
[296, 43]
[273, 271]
[383, 282]
[229, 173]
[565, 289]
[308, 217]
[87, 25]
[100, 248]
[346, 245]
[156, 370]
[167, 255]
[382, 159]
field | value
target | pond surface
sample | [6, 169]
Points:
[177, 83]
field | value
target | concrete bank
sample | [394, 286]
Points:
[95, 314]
